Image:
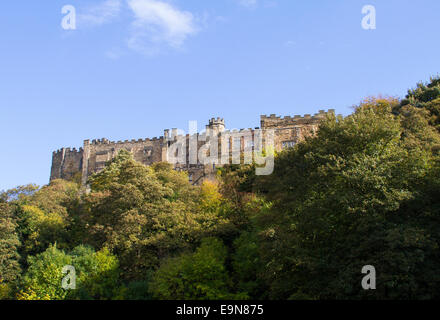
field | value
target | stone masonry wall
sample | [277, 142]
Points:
[67, 163]
[98, 152]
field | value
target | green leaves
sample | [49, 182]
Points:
[97, 275]
[9, 245]
[344, 192]
[43, 278]
[146, 213]
[200, 275]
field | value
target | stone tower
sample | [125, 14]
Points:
[217, 125]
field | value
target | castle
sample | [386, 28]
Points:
[70, 163]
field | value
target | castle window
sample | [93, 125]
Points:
[249, 144]
[227, 143]
[288, 144]
[148, 151]
[236, 143]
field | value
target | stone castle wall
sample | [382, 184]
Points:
[292, 130]
[68, 163]
[98, 152]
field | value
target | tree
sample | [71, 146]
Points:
[144, 214]
[426, 96]
[195, 276]
[42, 280]
[9, 244]
[21, 193]
[210, 197]
[40, 229]
[339, 204]
[247, 265]
[43, 214]
[97, 275]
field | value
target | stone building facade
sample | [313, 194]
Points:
[70, 163]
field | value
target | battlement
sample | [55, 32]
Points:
[274, 120]
[320, 115]
[171, 135]
[217, 120]
[237, 131]
[66, 162]
[68, 151]
[105, 141]
[216, 124]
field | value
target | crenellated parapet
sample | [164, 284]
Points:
[104, 141]
[274, 121]
[66, 162]
[218, 120]
[216, 124]
[62, 151]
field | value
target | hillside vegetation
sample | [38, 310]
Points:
[364, 191]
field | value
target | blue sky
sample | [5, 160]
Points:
[135, 67]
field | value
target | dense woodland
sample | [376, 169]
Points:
[364, 191]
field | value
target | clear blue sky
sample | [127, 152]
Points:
[133, 68]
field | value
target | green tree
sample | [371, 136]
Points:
[426, 96]
[144, 214]
[339, 202]
[20, 193]
[9, 245]
[42, 280]
[247, 265]
[40, 229]
[97, 275]
[199, 276]
[43, 214]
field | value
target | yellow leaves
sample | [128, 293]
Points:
[210, 197]
[52, 198]
[380, 104]
[39, 220]
[5, 290]
[43, 227]
[106, 261]
[30, 294]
